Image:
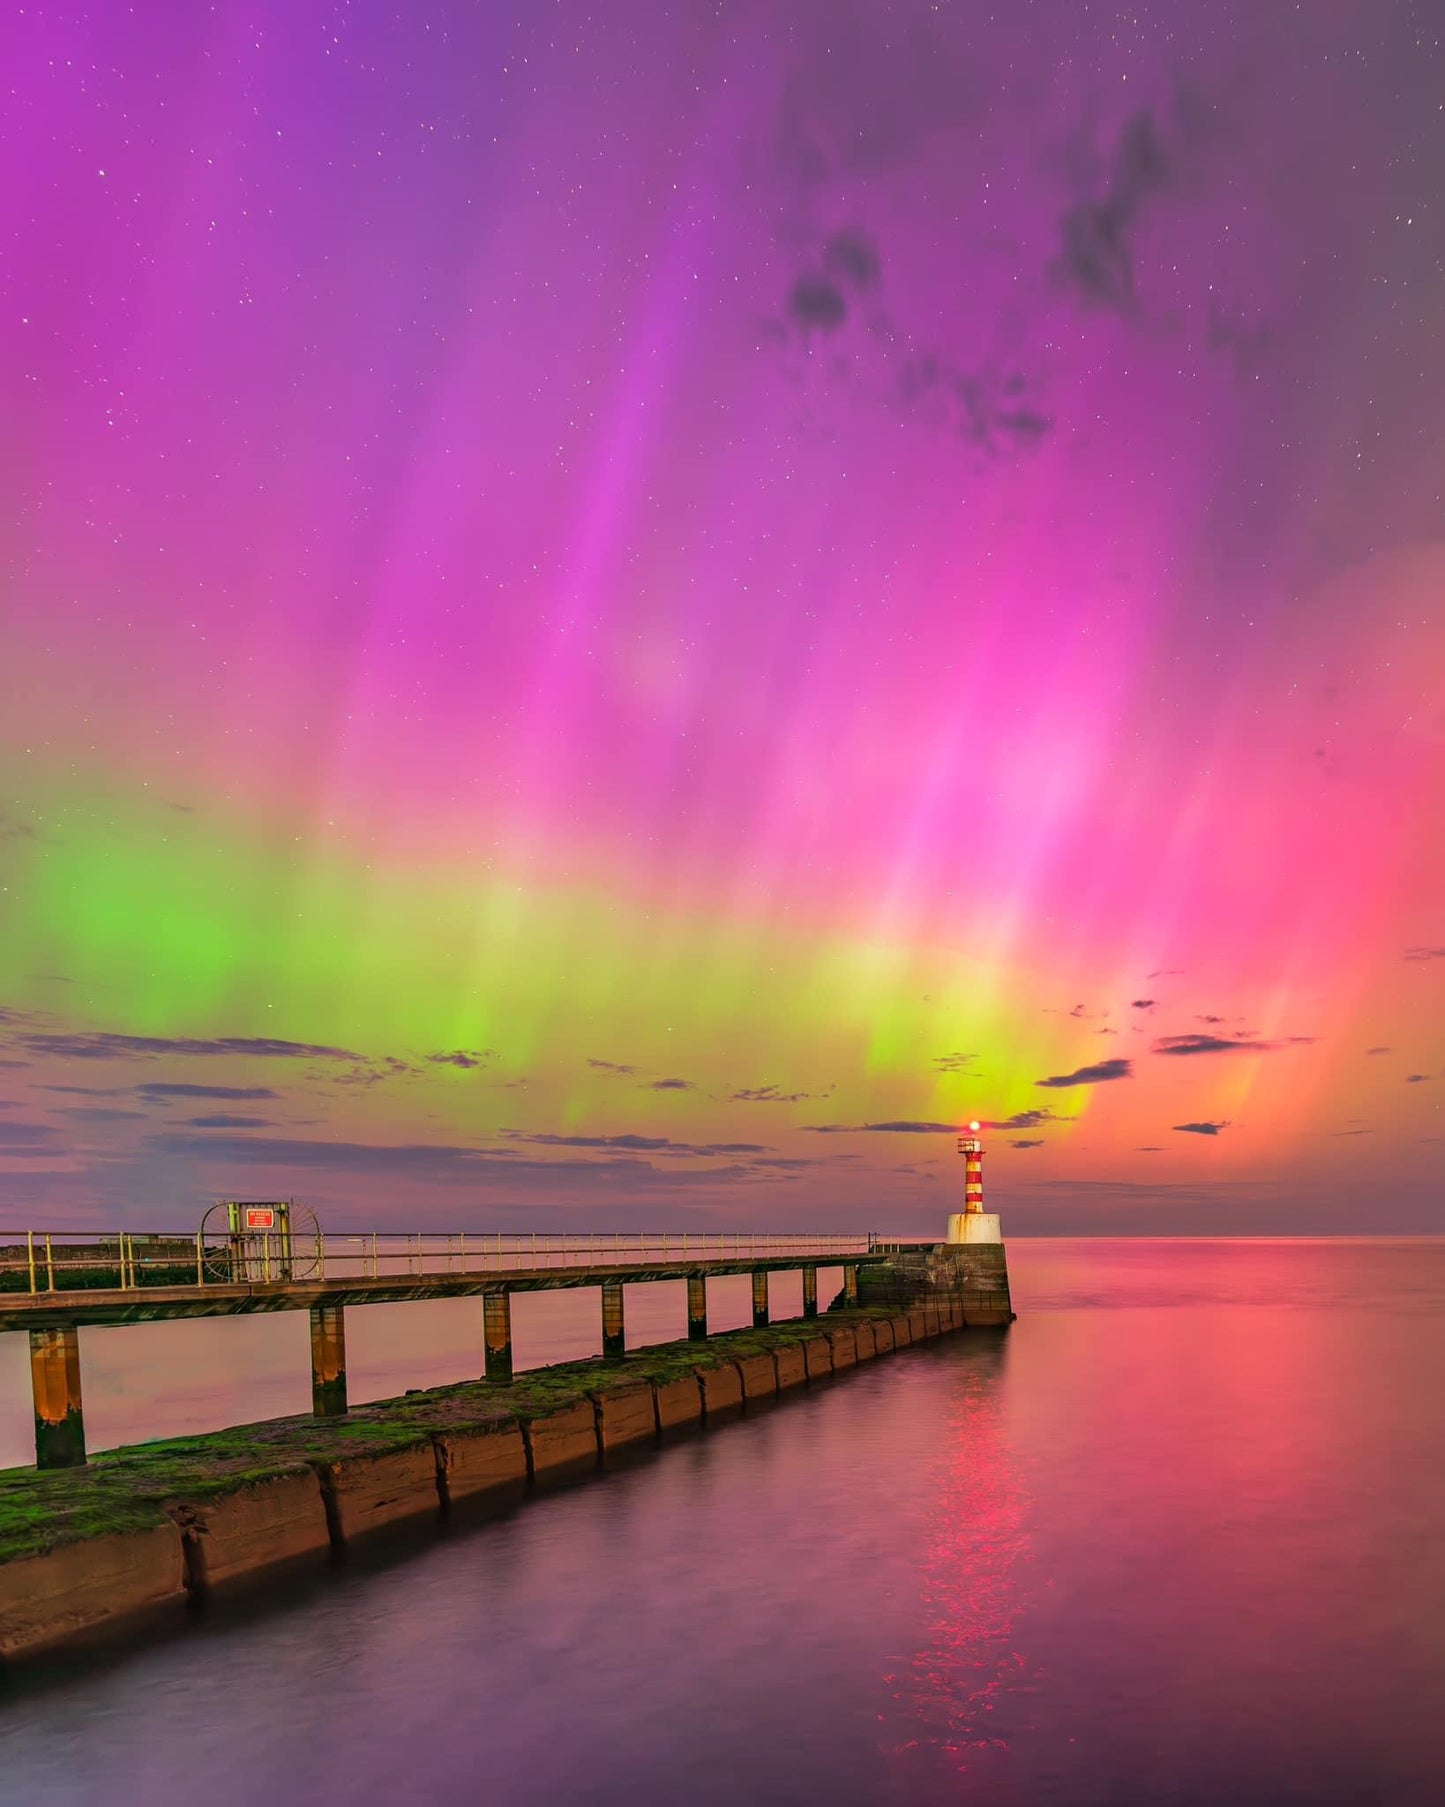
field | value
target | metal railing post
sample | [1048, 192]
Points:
[30, 1252]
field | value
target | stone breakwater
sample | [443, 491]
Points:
[144, 1531]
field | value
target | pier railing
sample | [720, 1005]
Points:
[53, 1283]
[40, 1261]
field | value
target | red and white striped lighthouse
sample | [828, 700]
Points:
[973, 1223]
[971, 1149]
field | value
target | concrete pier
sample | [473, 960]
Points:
[973, 1276]
[53, 1285]
[55, 1382]
[163, 1523]
[850, 1285]
[497, 1334]
[614, 1334]
[697, 1308]
[328, 1361]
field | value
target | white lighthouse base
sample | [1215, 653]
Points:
[974, 1226]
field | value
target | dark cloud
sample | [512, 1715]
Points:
[100, 1113]
[441, 1163]
[671, 1085]
[160, 1089]
[990, 410]
[1352, 1132]
[1202, 1129]
[1026, 1120]
[12, 829]
[1230, 335]
[612, 1066]
[18, 1140]
[1226, 1044]
[1142, 1004]
[953, 1063]
[816, 304]
[1096, 250]
[1149, 1148]
[1425, 953]
[1377, 1050]
[461, 1057]
[97, 1045]
[1027, 1144]
[769, 1094]
[852, 257]
[1166, 972]
[367, 1073]
[634, 1144]
[1096, 1074]
[996, 420]
[223, 1120]
[902, 1128]
[1416, 1078]
[842, 110]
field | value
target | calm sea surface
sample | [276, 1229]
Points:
[1179, 1537]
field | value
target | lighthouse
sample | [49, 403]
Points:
[973, 1223]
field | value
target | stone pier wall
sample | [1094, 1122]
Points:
[972, 1275]
[139, 1532]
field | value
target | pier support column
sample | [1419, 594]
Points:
[850, 1285]
[497, 1334]
[697, 1308]
[810, 1292]
[328, 1361]
[55, 1382]
[760, 1299]
[614, 1334]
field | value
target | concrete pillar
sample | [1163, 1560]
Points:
[55, 1382]
[850, 1285]
[614, 1335]
[328, 1361]
[497, 1334]
[697, 1308]
[810, 1292]
[760, 1299]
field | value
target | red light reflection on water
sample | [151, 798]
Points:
[960, 1693]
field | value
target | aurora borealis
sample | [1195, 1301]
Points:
[617, 613]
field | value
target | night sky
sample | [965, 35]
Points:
[618, 612]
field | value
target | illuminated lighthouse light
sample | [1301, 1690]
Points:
[973, 1224]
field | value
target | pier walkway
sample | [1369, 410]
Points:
[54, 1283]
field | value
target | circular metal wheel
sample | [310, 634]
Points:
[247, 1256]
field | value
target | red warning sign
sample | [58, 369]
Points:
[260, 1217]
